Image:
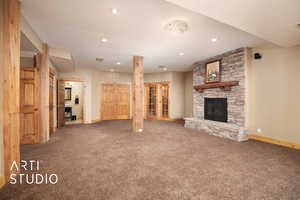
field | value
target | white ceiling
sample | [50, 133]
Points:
[78, 26]
[273, 20]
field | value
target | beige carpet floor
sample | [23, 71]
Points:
[106, 161]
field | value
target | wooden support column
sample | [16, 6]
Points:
[43, 66]
[138, 94]
[10, 64]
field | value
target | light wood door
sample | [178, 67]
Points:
[60, 103]
[157, 100]
[151, 100]
[29, 105]
[115, 101]
[51, 103]
[164, 100]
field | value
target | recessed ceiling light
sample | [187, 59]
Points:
[214, 39]
[181, 54]
[104, 40]
[114, 11]
[118, 63]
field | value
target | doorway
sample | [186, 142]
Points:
[115, 101]
[70, 101]
[156, 102]
[73, 101]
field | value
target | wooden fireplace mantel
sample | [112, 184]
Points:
[224, 85]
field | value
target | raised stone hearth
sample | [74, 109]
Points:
[233, 69]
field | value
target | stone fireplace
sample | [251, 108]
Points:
[219, 111]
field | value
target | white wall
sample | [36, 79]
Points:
[1, 90]
[274, 93]
[188, 94]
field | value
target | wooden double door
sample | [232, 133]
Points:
[115, 101]
[156, 102]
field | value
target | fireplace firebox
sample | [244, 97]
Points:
[215, 109]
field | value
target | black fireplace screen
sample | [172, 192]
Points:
[215, 109]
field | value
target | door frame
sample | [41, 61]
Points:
[84, 104]
[54, 76]
[158, 84]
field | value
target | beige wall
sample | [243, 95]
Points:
[92, 88]
[188, 94]
[77, 90]
[26, 62]
[1, 91]
[94, 78]
[274, 93]
[177, 95]
[31, 34]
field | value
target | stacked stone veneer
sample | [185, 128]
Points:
[233, 69]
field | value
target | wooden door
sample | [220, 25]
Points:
[151, 100]
[115, 101]
[29, 99]
[164, 100]
[51, 103]
[157, 100]
[60, 103]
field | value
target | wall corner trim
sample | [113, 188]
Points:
[274, 141]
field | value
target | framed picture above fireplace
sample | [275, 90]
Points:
[213, 71]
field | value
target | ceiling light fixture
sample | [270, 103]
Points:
[118, 63]
[181, 54]
[104, 40]
[214, 39]
[176, 26]
[114, 11]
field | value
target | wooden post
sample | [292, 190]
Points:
[10, 46]
[138, 94]
[44, 71]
